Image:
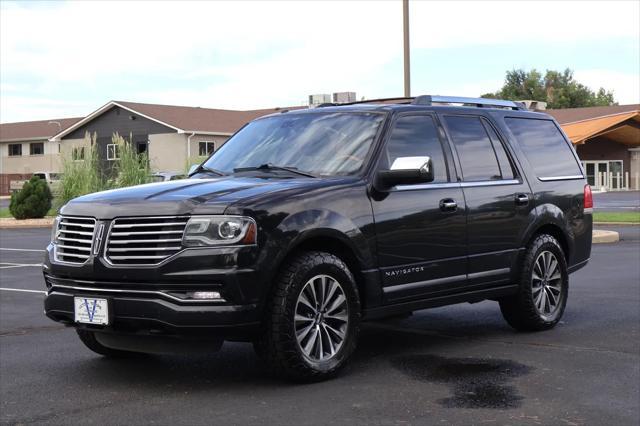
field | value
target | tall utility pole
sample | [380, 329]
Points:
[407, 62]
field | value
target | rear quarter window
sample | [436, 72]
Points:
[548, 152]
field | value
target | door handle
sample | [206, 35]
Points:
[448, 205]
[522, 199]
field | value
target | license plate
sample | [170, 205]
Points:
[89, 310]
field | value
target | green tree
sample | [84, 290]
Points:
[557, 89]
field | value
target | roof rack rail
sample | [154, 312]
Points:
[479, 102]
[401, 100]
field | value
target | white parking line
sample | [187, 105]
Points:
[23, 290]
[18, 249]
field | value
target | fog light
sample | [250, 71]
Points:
[201, 295]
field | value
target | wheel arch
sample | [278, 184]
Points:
[333, 242]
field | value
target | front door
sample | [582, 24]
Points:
[420, 228]
[499, 201]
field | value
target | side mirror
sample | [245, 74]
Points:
[407, 170]
[193, 169]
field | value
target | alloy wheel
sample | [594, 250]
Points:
[546, 284]
[321, 318]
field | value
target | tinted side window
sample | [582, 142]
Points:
[547, 151]
[506, 167]
[475, 150]
[417, 136]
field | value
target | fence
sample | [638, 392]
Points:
[616, 181]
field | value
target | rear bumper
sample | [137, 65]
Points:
[152, 310]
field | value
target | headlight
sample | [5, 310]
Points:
[54, 229]
[205, 231]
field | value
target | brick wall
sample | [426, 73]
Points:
[6, 178]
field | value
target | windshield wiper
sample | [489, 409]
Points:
[269, 166]
[202, 168]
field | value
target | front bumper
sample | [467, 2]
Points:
[152, 312]
[155, 300]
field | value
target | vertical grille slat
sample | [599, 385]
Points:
[144, 240]
[74, 239]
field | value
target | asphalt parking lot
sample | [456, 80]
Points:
[454, 365]
[617, 201]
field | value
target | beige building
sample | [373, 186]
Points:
[25, 149]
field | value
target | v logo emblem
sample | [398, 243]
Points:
[91, 311]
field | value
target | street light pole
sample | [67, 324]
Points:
[407, 65]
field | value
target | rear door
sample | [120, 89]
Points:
[499, 200]
[420, 228]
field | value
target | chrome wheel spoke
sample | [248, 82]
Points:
[553, 299]
[311, 343]
[539, 300]
[330, 344]
[306, 302]
[320, 345]
[336, 304]
[332, 289]
[302, 318]
[304, 332]
[552, 267]
[338, 317]
[555, 276]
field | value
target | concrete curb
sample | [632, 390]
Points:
[11, 223]
[616, 223]
[600, 236]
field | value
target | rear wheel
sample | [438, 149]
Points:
[312, 320]
[89, 339]
[543, 288]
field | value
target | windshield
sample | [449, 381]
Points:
[317, 143]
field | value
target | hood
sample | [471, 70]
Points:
[188, 196]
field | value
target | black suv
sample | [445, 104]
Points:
[306, 222]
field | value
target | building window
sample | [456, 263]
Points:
[142, 147]
[36, 148]
[15, 149]
[113, 151]
[206, 148]
[77, 154]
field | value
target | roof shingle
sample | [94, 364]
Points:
[43, 129]
[571, 115]
[199, 119]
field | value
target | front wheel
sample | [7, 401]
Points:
[543, 288]
[312, 319]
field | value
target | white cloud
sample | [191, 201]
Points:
[259, 54]
[625, 86]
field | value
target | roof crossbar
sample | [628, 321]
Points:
[479, 102]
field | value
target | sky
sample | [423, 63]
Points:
[65, 59]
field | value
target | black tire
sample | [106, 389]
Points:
[522, 311]
[89, 339]
[278, 346]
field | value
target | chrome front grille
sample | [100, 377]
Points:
[144, 240]
[74, 239]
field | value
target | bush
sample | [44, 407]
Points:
[82, 175]
[32, 201]
[132, 168]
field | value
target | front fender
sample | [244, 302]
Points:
[302, 226]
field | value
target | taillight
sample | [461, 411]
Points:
[588, 197]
